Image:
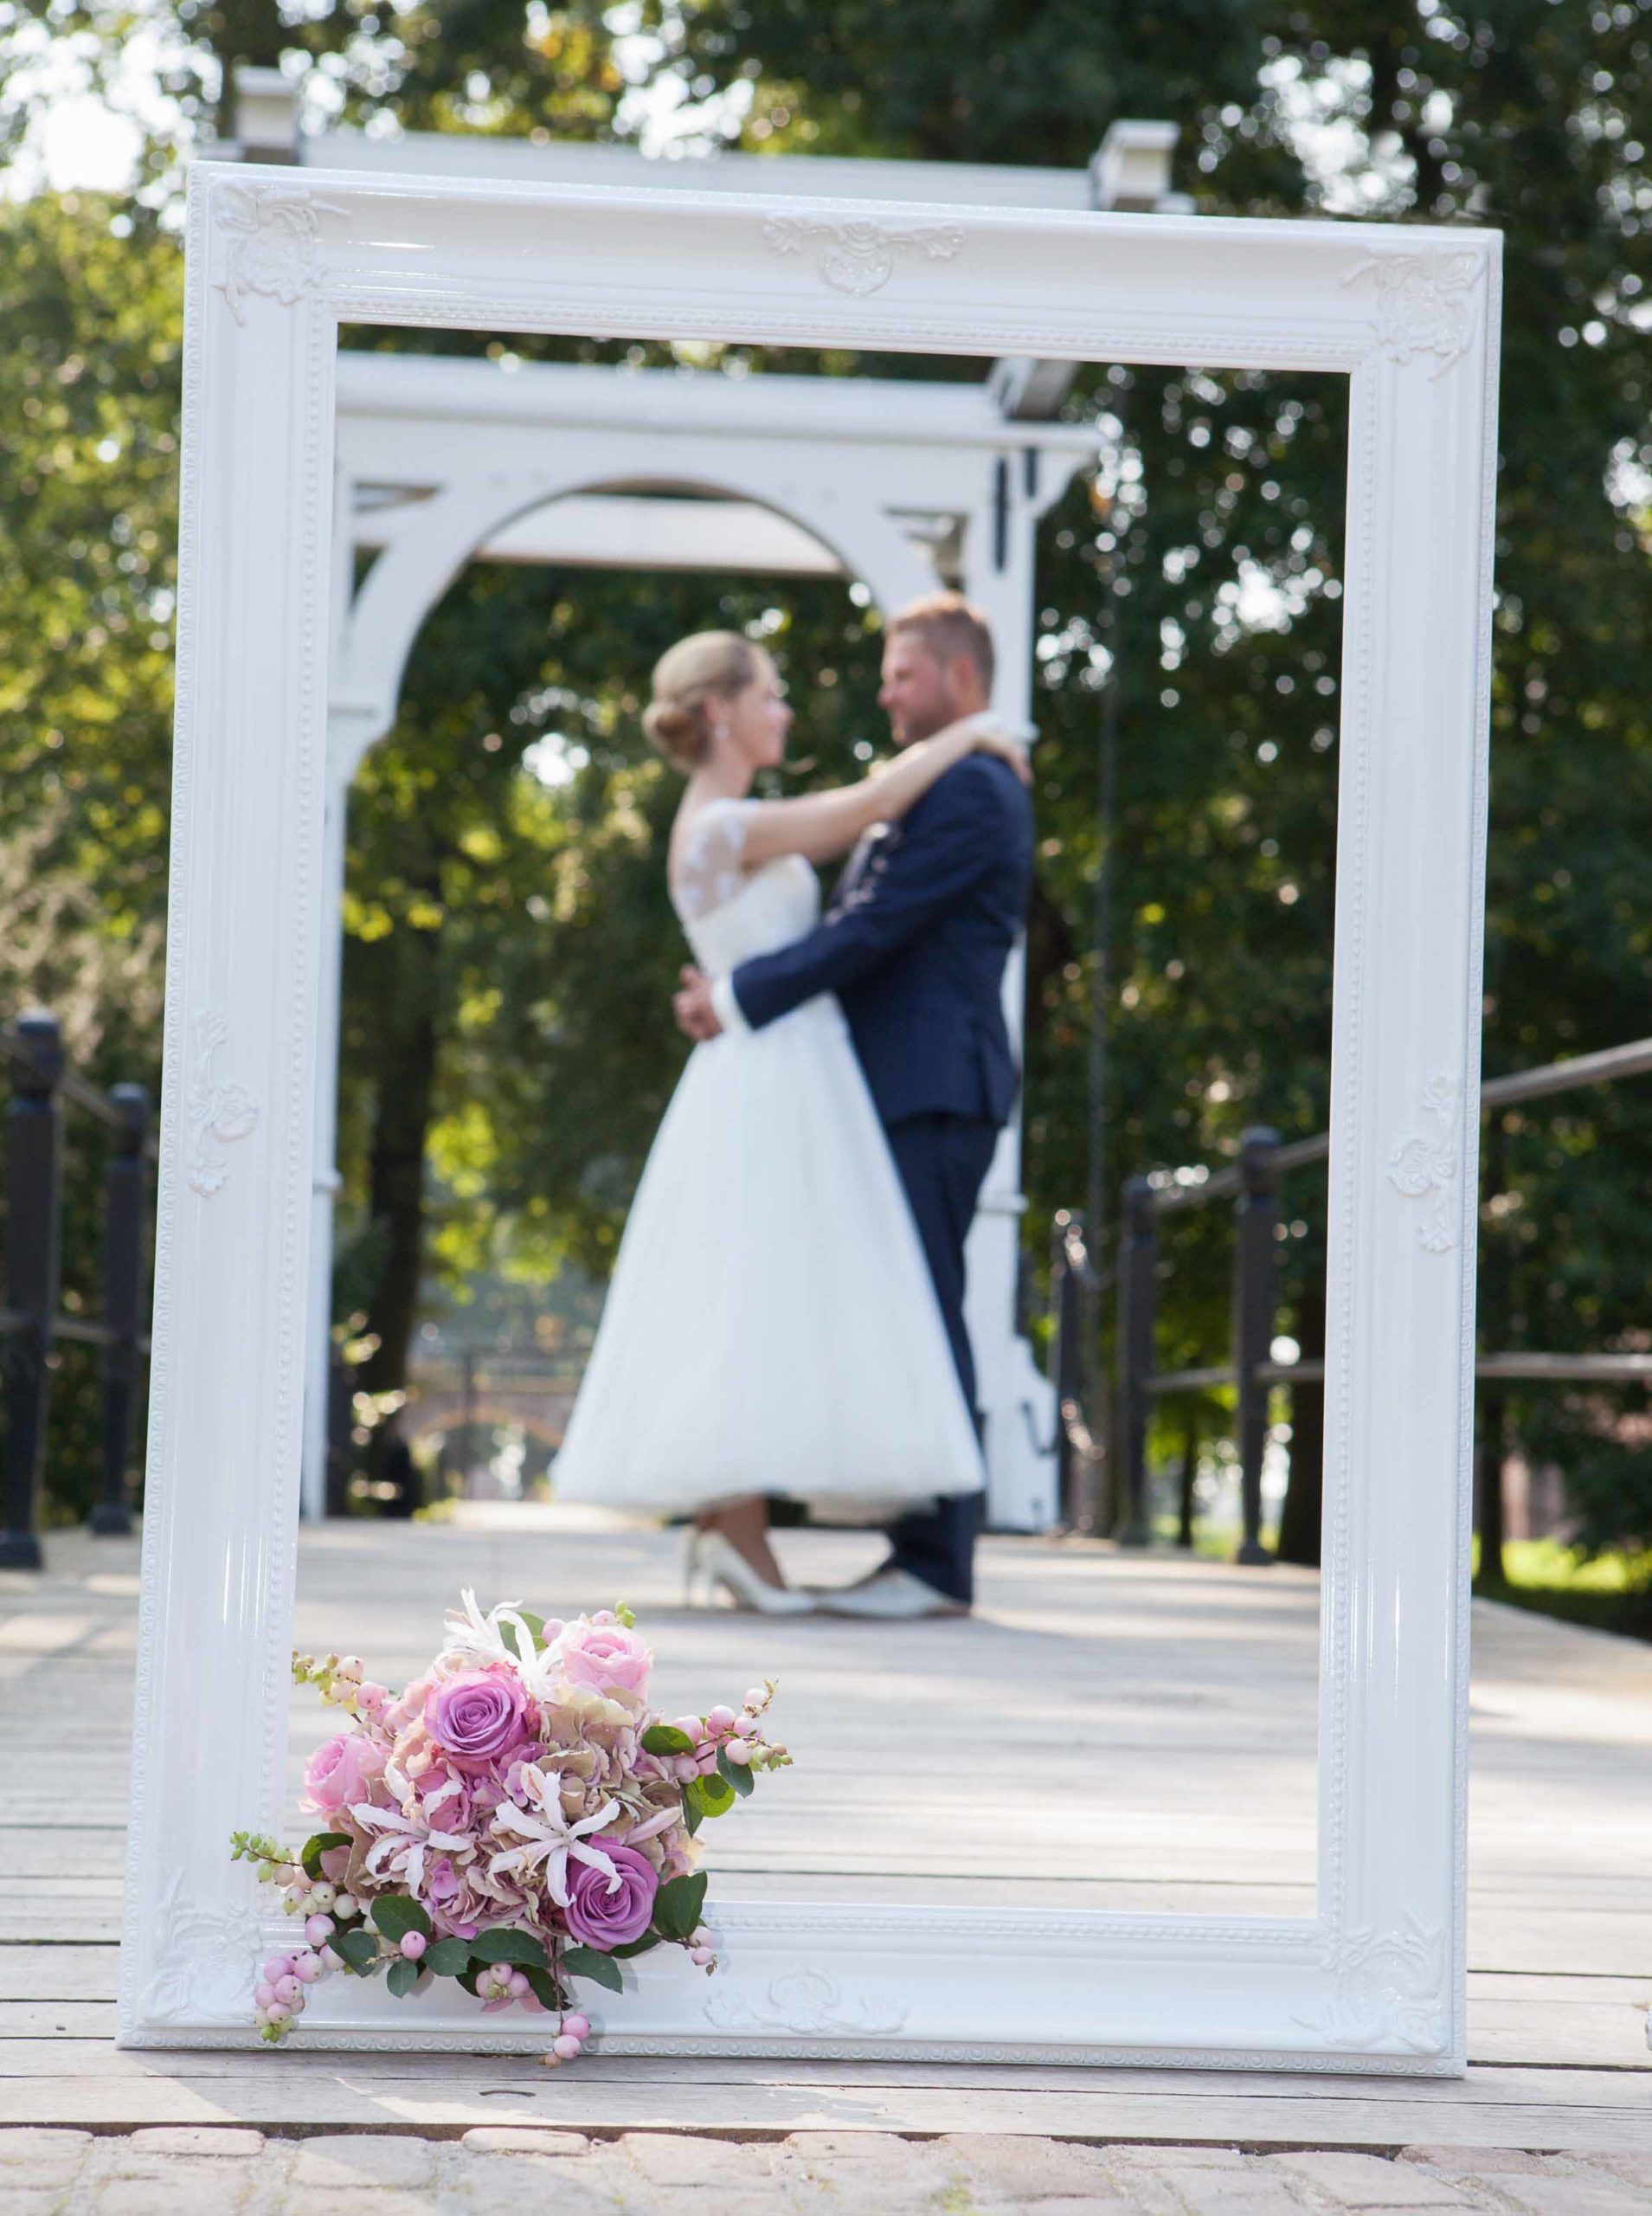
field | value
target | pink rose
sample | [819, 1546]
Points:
[607, 1657]
[609, 1912]
[340, 1773]
[479, 1717]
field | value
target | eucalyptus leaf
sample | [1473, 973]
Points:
[359, 1949]
[587, 1961]
[736, 1774]
[678, 1906]
[666, 1739]
[635, 1947]
[713, 1795]
[544, 1987]
[520, 1949]
[316, 1847]
[395, 1914]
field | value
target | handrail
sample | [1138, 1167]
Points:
[1253, 1180]
[1192, 1189]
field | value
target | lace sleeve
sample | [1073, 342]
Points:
[710, 868]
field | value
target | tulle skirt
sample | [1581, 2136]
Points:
[771, 1326]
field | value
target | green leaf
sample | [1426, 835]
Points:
[402, 1976]
[468, 1980]
[447, 1958]
[316, 1847]
[666, 1739]
[544, 1987]
[712, 1796]
[678, 1906]
[359, 1949]
[520, 1949]
[693, 1814]
[635, 1947]
[601, 1969]
[395, 1914]
[736, 1774]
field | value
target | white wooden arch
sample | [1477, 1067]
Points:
[901, 484]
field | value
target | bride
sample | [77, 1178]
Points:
[771, 1326]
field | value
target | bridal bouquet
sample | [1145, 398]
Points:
[517, 1818]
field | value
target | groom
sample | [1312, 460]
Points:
[913, 945]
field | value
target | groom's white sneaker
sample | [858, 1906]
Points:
[890, 1595]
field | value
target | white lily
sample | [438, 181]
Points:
[548, 1839]
[472, 1637]
[402, 1842]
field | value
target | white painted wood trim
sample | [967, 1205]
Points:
[1374, 1981]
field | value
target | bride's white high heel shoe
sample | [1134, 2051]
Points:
[711, 1562]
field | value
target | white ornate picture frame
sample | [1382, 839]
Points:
[1374, 1980]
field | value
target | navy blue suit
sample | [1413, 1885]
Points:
[913, 945]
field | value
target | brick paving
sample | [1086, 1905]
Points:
[205, 2172]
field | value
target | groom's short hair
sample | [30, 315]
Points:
[949, 626]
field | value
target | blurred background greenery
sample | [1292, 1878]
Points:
[509, 946]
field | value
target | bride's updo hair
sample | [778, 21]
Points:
[706, 667]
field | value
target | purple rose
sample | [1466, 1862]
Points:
[479, 1717]
[607, 1912]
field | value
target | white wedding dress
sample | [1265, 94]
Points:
[771, 1326]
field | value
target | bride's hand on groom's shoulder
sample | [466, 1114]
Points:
[1008, 742]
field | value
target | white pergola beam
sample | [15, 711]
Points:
[625, 532]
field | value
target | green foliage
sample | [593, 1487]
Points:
[737, 1774]
[402, 1977]
[315, 1848]
[520, 1949]
[666, 1739]
[591, 1963]
[679, 1905]
[707, 1796]
[511, 947]
[396, 1914]
[359, 1949]
[446, 1957]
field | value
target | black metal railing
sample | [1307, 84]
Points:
[32, 1321]
[1253, 1183]
[1075, 1293]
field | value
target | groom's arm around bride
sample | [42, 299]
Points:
[915, 945]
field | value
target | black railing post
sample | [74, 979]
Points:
[1064, 1355]
[124, 1183]
[33, 1170]
[1138, 1293]
[1255, 1307]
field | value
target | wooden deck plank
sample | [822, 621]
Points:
[1179, 1749]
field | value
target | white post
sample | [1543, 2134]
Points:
[1017, 1401]
[325, 1176]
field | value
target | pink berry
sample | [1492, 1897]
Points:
[277, 1967]
[577, 2026]
[738, 1750]
[319, 1929]
[565, 2046]
[287, 1989]
[306, 1968]
[702, 1958]
[277, 2012]
[685, 1768]
[414, 1944]
[690, 1726]
[518, 1985]
[263, 1994]
[720, 1720]
[330, 1960]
